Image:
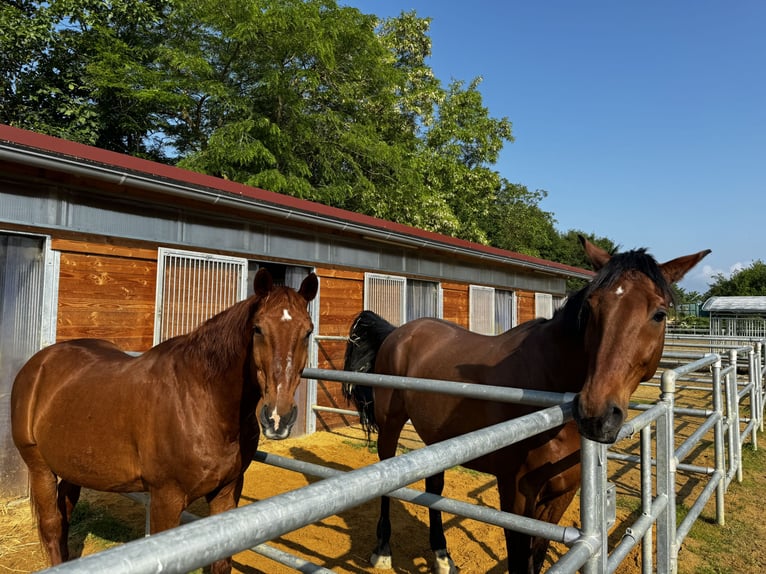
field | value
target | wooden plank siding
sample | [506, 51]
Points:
[525, 306]
[341, 298]
[455, 303]
[106, 292]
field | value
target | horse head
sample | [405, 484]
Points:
[281, 330]
[624, 309]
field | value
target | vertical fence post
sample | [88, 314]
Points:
[647, 548]
[593, 503]
[754, 410]
[718, 443]
[736, 444]
[759, 378]
[667, 561]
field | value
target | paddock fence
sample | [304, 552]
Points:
[708, 397]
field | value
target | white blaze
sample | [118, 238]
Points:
[286, 315]
[619, 291]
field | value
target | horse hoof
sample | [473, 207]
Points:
[443, 564]
[381, 562]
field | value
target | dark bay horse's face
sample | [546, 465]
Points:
[281, 330]
[624, 337]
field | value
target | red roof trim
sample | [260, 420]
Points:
[76, 150]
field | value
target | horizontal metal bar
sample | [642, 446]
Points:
[523, 524]
[193, 545]
[468, 390]
[280, 556]
[335, 410]
[696, 509]
[635, 532]
[696, 437]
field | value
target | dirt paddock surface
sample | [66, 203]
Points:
[343, 543]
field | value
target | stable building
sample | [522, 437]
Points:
[99, 244]
[737, 316]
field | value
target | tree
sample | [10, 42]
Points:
[748, 281]
[74, 69]
[518, 223]
[302, 97]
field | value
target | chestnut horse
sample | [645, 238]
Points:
[606, 339]
[178, 421]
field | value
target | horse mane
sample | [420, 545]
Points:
[575, 311]
[224, 339]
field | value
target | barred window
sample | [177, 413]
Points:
[192, 287]
[399, 299]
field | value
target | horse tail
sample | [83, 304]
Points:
[367, 334]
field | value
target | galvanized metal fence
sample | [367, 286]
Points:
[733, 380]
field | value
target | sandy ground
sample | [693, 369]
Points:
[343, 543]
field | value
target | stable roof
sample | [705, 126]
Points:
[740, 304]
[169, 185]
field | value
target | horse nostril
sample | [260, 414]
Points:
[615, 417]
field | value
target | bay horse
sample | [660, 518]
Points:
[606, 339]
[178, 421]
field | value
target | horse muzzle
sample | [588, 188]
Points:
[277, 427]
[600, 427]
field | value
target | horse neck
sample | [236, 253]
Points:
[220, 351]
[549, 353]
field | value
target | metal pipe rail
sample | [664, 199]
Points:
[206, 540]
[468, 390]
[564, 534]
[202, 542]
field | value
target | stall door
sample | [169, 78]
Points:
[27, 323]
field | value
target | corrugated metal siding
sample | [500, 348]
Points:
[71, 210]
[22, 274]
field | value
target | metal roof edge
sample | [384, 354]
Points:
[31, 148]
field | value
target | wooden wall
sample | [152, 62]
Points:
[525, 306]
[341, 298]
[455, 303]
[106, 292]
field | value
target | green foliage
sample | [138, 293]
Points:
[748, 281]
[518, 223]
[77, 70]
[301, 97]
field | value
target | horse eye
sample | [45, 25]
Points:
[659, 316]
[308, 333]
[257, 330]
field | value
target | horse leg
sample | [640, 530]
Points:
[518, 545]
[68, 495]
[390, 423]
[225, 498]
[165, 507]
[443, 563]
[43, 497]
[550, 510]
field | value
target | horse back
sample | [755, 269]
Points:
[79, 405]
[437, 349]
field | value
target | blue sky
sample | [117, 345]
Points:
[644, 121]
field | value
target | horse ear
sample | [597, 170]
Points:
[263, 282]
[309, 287]
[598, 257]
[675, 269]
